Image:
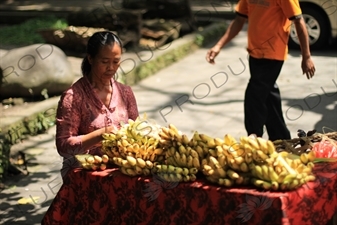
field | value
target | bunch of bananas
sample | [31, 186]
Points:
[172, 173]
[93, 162]
[272, 170]
[138, 138]
[179, 153]
[254, 160]
[225, 162]
[133, 166]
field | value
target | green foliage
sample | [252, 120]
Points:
[26, 32]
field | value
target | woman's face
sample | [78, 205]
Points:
[105, 64]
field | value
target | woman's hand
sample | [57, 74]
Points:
[110, 129]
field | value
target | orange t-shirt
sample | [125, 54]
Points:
[269, 23]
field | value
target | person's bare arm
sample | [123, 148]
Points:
[95, 137]
[308, 66]
[233, 29]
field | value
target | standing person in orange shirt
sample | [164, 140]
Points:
[269, 24]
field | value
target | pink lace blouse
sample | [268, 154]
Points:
[80, 111]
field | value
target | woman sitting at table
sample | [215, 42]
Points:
[94, 104]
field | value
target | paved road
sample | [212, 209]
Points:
[193, 95]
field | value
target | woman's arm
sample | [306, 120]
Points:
[68, 120]
[131, 104]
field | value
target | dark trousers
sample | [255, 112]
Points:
[262, 105]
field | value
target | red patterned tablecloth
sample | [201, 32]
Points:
[109, 197]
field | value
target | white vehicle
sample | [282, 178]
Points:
[320, 17]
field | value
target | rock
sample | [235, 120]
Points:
[33, 70]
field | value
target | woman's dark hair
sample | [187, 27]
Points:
[95, 43]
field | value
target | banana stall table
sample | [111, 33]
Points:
[109, 197]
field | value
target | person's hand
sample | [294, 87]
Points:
[111, 129]
[308, 67]
[212, 53]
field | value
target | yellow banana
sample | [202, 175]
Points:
[158, 151]
[204, 162]
[186, 178]
[109, 136]
[196, 136]
[206, 167]
[265, 172]
[125, 163]
[310, 164]
[248, 158]
[131, 172]
[182, 149]
[146, 171]
[262, 155]
[196, 163]
[178, 170]
[183, 160]
[105, 158]
[214, 162]
[233, 165]
[171, 151]
[194, 153]
[208, 140]
[304, 158]
[222, 161]
[232, 174]
[289, 178]
[221, 172]
[193, 170]
[171, 169]
[247, 148]
[141, 163]
[193, 177]
[166, 177]
[309, 178]
[212, 152]
[131, 160]
[311, 156]
[258, 171]
[199, 150]
[263, 145]
[90, 159]
[273, 176]
[186, 171]
[179, 177]
[218, 141]
[172, 177]
[229, 140]
[177, 158]
[257, 182]
[274, 185]
[149, 164]
[138, 170]
[189, 161]
[225, 182]
[185, 139]
[271, 147]
[244, 167]
[239, 160]
[163, 135]
[239, 181]
[253, 143]
[293, 184]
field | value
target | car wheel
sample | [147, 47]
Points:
[317, 27]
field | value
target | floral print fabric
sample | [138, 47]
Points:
[109, 197]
